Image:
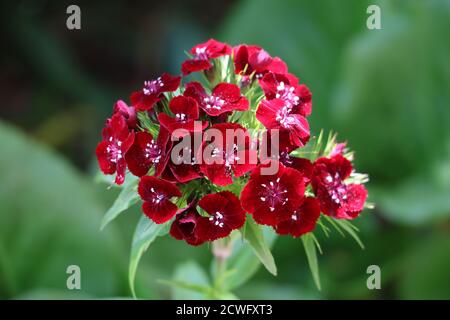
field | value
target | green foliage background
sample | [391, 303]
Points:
[385, 91]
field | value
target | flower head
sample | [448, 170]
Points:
[225, 97]
[337, 198]
[224, 215]
[156, 194]
[152, 90]
[273, 198]
[202, 53]
[117, 139]
[226, 155]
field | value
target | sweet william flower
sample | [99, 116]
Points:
[224, 98]
[128, 112]
[156, 194]
[185, 167]
[186, 112]
[227, 156]
[117, 139]
[273, 198]
[337, 199]
[225, 214]
[302, 220]
[152, 91]
[146, 152]
[281, 150]
[202, 53]
[254, 59]
[287, 88]
[276, 114]
[184, 227]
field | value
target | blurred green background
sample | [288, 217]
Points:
[385, 91]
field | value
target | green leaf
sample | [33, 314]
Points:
[198, 285]
[146, 232]
[254, 235]
[242, 264]
[49, 218]
[311, 253]
[351, 230]
[127, 197]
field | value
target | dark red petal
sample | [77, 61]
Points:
[227, 91]
[302, 221]
[260, 60]
[119, 127]
[160, 213]
[128, 112]
[234, 215]
[241, 105]
[165, 144]
[168, 175]
[185, 172]
[254, 194]
[107, 166]
[143, 102]
[184, 227]
[137, 162]
[241, 59]
[305, 105]
[184, 105]
[121, 170]
[304, 166]
[170, 82]
[267, 112]
[208, 231]
[277, 66]
[356, 197]
[247, 162]
[194, 65]
[147, 183]
[212, 203]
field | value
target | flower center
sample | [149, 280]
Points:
[284, 117]
[114, 150]
[152, 87]
[213, 102]
[217, 219]
[229, 157]
[273, 194]
[152, 152]
[157, 198]
[336, 188]
[286, 93]
[180, 117]
[201, 54]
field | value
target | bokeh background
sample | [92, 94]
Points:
[385, 91]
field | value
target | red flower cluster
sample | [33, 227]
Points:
[187, 142]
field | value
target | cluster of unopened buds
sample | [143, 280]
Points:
[226, 146]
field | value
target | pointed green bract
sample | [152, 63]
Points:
[254, 236]
[128, 196]
[311, 253]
